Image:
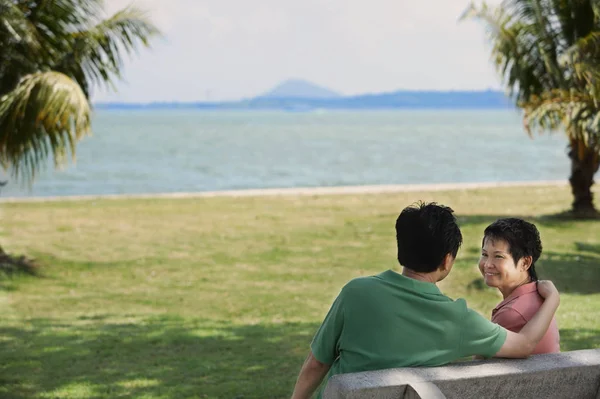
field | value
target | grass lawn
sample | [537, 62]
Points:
[220, 297]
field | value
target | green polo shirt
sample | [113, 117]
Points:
[389, 321]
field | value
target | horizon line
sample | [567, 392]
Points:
[263, 96]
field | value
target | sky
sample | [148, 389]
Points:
[217, 50]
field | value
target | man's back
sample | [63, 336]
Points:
[390, 320]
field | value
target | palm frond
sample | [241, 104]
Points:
[588, 72]
[97, 53]
[562, 11]
[47, 114]
[19, 43]
[577, 113]
[514, 50]
[546, 112]
[14, 25]
[587, 47]
[582, 60]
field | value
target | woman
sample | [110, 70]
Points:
[509, 250]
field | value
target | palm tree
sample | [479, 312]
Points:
[547, 53]
[52, 53]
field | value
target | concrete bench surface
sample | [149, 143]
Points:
[560, 375]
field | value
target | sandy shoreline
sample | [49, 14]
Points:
[374, 189]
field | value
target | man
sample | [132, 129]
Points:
[403, 320]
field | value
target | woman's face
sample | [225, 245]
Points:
[498, 266]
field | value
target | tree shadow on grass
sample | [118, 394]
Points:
[586, 247]
[572, 339]
[166, 357]
[43, 264]
[571, 273]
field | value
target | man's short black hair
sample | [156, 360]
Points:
[426, 233]
[523, 239]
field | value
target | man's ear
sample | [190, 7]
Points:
[447, 262]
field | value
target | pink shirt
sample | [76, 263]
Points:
[516, 310]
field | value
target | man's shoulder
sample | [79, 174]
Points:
[361, 282]
[460, 307]
[462, 312]
[460, 302]
[359, 285]
[384, 282]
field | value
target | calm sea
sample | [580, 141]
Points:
[174, 151]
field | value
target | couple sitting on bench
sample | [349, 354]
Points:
[403, 320]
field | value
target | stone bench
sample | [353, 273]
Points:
[562, 375]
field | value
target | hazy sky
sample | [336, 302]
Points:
[232, 49]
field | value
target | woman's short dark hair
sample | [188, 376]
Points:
[426, 233]
[523, 240]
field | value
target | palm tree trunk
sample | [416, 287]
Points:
[584, 164]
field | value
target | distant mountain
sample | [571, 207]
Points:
[488, 99]
[297, 88]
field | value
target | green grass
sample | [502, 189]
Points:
[220, 297]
